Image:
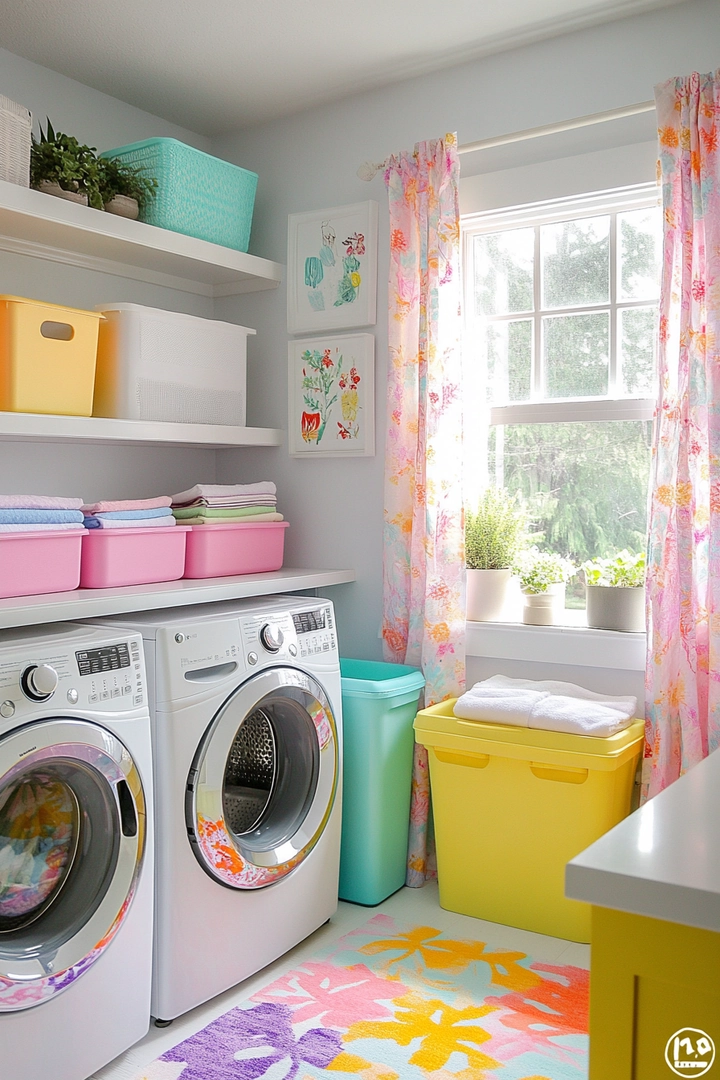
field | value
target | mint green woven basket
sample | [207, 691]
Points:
[198, 195]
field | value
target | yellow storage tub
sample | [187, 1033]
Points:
[512, 806]
[47, 357]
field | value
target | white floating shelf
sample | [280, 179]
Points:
[33, 223]
[95, 603]
[99, 429]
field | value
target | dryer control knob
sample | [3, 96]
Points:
[39, 682]
[272, 637]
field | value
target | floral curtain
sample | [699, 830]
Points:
[683, 581]
[424, 566]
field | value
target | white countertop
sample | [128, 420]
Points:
[664, 860]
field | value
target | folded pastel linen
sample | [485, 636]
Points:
[560, 706]
[238, 512]
[29, 516]
[38, 502]
[94, 522]
[134, 515]
[236, 501]
[59, 526]
[223, 491]
[203, 519]
[109, 506]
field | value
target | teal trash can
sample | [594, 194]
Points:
[379, 704]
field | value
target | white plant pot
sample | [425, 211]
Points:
[545, 608]
[486, 593]
[51, 188]
[123, 206]
[613, 607]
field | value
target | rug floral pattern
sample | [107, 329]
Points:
[391, 1003]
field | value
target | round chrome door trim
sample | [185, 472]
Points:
[30, 979]
[220, 851]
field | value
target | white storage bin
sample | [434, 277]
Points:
[163, 365]
[15, 139]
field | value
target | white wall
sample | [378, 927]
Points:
[309, 161]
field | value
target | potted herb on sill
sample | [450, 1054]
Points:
[61, 166]
[615, 592]
[494, 533]
[125, 189]
[543, 576]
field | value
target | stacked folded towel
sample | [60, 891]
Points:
[553, 706]
[39, 513]
[223, 504]
[129, 514]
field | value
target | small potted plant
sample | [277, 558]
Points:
[125, 189]
[61, 166]
[543, 576]
[615, 592]
[494, 533]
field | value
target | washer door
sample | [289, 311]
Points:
[264, 779]
[72, 839]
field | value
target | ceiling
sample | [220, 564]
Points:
[221, 65]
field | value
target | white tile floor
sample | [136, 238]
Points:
[417, 907]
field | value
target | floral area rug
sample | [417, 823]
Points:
[390, 1003]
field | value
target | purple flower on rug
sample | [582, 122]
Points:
[245, 1043]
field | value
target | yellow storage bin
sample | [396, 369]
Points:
[47, 357]
[512, 806]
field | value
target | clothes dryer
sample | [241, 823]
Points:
[246, 720]
[76, 847]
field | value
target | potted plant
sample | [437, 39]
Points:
[543, 576]
[125, 189]
[494, 533]
[615, 592]
[61, 166]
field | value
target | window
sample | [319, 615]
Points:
[561, 310]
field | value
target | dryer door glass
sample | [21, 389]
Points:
[72, 836]
[264, 779]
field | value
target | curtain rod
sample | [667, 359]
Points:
[369, 169]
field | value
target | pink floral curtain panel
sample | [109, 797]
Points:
[423, 581]
[683, 581]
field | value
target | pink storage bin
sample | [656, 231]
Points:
[40, 562]
[237, 548]
[113, 557]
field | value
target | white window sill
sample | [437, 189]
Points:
[567, 645]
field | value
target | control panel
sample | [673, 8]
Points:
[288, 634]
[113, 672]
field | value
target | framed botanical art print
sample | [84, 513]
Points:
[332, 268]
[331, 396]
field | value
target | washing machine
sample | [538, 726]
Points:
[76, 865]
[246, 722]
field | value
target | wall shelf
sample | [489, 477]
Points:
[96, 603]
[16, 427]
[33, 223]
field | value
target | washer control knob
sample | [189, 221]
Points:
[179, 638]
[39, 682]
[272, 637]
[7, 709]
[252, 658]
[292, 650]
[72, 696]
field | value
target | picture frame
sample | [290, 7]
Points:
[331, 401]
[332, 268]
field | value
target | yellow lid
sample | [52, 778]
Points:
[44, 303]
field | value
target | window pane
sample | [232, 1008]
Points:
[509, 361]
[637, 350]
[586, 485]
[504, 264]
[576, 349]
[575, 262]
[639, 246]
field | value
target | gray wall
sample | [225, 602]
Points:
[309, 161]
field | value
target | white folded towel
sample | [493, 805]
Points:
[223, 491]
[53, 526]
[559, 706]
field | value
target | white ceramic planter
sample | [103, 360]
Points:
[486, 592]
[611, 607]
[50, 188]
[123, 206]
[545, 608]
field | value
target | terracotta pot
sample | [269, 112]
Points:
[545, 608]
[51, 188]
[123, 206]
[486, 593]
[612, 607]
